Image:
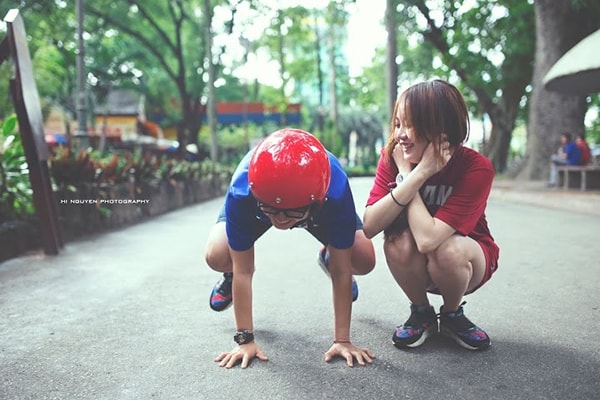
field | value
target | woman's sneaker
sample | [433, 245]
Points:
[323, 260]
[221, 297]
[457, 326]
[421, 324]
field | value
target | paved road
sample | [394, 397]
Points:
[125, 316]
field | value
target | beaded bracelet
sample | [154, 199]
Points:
[341, 341]
[396, 201]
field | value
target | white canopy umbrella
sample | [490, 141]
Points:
[578, 70]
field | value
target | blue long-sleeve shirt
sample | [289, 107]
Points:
[573, 153]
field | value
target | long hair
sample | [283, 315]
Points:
[431, 108]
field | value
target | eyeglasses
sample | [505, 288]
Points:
[295, 213]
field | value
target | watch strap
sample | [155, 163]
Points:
[243, 336]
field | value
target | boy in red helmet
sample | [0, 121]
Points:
[288, 181]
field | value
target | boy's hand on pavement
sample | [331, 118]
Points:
[349, 352]
[243, 353]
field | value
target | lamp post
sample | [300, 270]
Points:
[245, 43]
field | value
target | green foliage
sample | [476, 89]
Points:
[485, 47]
[361, 170]
[332, 142]
[290, 39]
[155, 46]
[233, 90]
[50, 28]
[593, 134]
[6, 106]
[489, 45]
[367, 91]
[16, 201]
[8, 127]
[592, 128]
[234, 141]
[88, 173]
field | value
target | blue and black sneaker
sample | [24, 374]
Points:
[457, 326]
[221, 297]
[421, 324]
[323, 261]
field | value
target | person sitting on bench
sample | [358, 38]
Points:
[568, 154]
[584, 148]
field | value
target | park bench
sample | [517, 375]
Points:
[582, 176]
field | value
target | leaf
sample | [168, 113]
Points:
[6, 144]
[9, 125]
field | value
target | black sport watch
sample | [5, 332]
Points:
[243, 337]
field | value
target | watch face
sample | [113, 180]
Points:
[243, 337]
[399, 178]
[240, 338]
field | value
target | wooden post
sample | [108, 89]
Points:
[29, 114]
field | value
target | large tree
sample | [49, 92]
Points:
[489, 47]
[560, 24]
[171, 36]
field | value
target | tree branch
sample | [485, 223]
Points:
[152, 48]
[436, 37]
[163, 35]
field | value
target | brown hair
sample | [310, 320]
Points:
[431, 108]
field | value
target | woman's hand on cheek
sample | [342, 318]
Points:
[435, 157]
[402, 164]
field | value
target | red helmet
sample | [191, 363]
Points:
[289, 169]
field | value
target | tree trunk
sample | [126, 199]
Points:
[318, 63]
[558, 28]
[319, 117]
[333, 79]
[282, 68]
[391, 70]
[212, 96]
[503, 116]
[500, 136]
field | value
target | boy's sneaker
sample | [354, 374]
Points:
[421, 324]
[221, 297]
[457, 326]
[323, 261]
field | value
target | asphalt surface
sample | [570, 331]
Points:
[124, 315]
